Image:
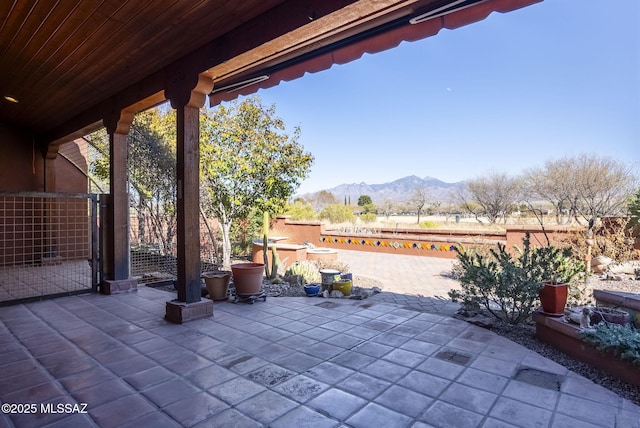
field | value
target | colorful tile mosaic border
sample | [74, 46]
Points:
[389, 244]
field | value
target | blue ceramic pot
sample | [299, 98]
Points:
[312, 289]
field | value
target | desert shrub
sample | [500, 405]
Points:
[337, 213]
[308, 269]
[612, 237]
[622, 340]
[427, 224]
[300, 211]
[507, 285]
[333, 264]
[368, 218]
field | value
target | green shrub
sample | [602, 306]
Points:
[337, 213]
[368, 218]
[300, 211]
[505, 285]
[622, 340]
[427, 224]
[307, 269]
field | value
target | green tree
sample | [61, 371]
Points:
[337, 213]
[151, 174]
[364, 200]
[300, 210]
[248, 162]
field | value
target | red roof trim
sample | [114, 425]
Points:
[376, 43]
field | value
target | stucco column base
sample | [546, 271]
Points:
[181, 312]
[116, 286]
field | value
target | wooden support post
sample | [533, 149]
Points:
[118, 279]
[187, 96]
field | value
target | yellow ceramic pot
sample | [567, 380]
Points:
[343, 285]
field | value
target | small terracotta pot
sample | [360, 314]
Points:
[553, 298]
[217, 284]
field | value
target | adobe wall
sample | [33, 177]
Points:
[416, 242]
[21, 163]
[22, 167]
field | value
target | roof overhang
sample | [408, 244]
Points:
[71, 64]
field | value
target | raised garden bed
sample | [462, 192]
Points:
[565, 336]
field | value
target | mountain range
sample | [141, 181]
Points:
[397, 191]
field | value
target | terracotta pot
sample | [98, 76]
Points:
[217, 284]
[247, 278]
[553, 298]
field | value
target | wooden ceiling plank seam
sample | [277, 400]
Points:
[95, 69]
[43, 86]
[17, 31]
[154, 82]
[96, 92]
[8, 14]
[58, 45]
[40, 45]
[87, 51]
[71, 72]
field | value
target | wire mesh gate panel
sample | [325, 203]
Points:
[48, 245]
[154, 250]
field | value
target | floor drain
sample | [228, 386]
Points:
[328, 305]
[539, 378]
[454, 357]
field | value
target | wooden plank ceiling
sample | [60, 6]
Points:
[67, 62]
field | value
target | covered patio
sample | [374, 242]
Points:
[70, 69]
[147, 358]
[286, 362]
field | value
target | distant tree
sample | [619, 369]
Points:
[368, 218]
[337, 213]
[369, 208]
[364, 200]
[419, 198]
[387, 208]
[321, 199]
[494, 195]
[248, 163]
[582, 187]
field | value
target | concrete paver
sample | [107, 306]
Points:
[395, 360]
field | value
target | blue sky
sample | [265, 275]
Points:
[557, 78]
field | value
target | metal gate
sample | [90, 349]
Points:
[48, 245]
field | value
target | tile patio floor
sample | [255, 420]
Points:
[286, 362]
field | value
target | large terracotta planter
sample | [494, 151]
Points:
[553, 298]
[217, 284]
[247, 278]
